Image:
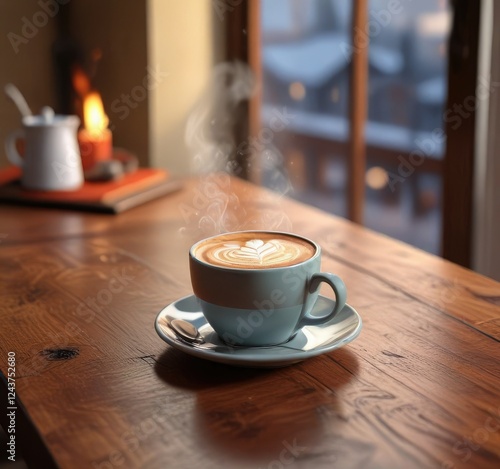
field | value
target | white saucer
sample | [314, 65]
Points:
[309, 341]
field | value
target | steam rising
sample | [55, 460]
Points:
[210, 137]
[209, 129]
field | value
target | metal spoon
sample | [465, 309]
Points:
[187, 330]
[189, 338]
[18, 99]
[190, 334]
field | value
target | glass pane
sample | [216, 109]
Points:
[405, 131]
[306, 71]
[306, 50]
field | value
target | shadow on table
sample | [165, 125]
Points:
[260, 415]
[184, 371]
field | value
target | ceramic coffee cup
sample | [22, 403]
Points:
[258, 288]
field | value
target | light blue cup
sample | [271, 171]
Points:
[260, 307]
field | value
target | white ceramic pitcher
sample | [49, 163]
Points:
[51, 159]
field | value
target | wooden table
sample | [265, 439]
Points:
[97, 388]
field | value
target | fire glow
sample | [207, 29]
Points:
[95, 138]
[95, 120]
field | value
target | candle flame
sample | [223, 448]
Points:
[95, 119]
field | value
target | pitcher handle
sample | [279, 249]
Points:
[10, 147]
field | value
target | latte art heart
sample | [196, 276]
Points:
[255, 251]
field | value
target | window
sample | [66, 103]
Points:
[306, 54]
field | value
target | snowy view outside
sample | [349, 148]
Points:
[306, 54]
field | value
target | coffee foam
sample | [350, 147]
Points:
[254, 250]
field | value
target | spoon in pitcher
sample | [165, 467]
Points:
[18, 99]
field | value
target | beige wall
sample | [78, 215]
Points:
[181, 43]
[30, 68]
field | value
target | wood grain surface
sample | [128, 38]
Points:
[98, 388]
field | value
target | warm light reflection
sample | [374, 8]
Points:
[434, 24]
[335, 94]
[376, 178]
[296, 165]
[95, 119]
[81, 82]
[297, 91]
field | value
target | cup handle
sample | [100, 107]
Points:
[338, 287]
[10, 147]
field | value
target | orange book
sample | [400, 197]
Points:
[9, 174]
[108, 191]
[112, 196]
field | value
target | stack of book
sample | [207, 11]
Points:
[131, 190]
